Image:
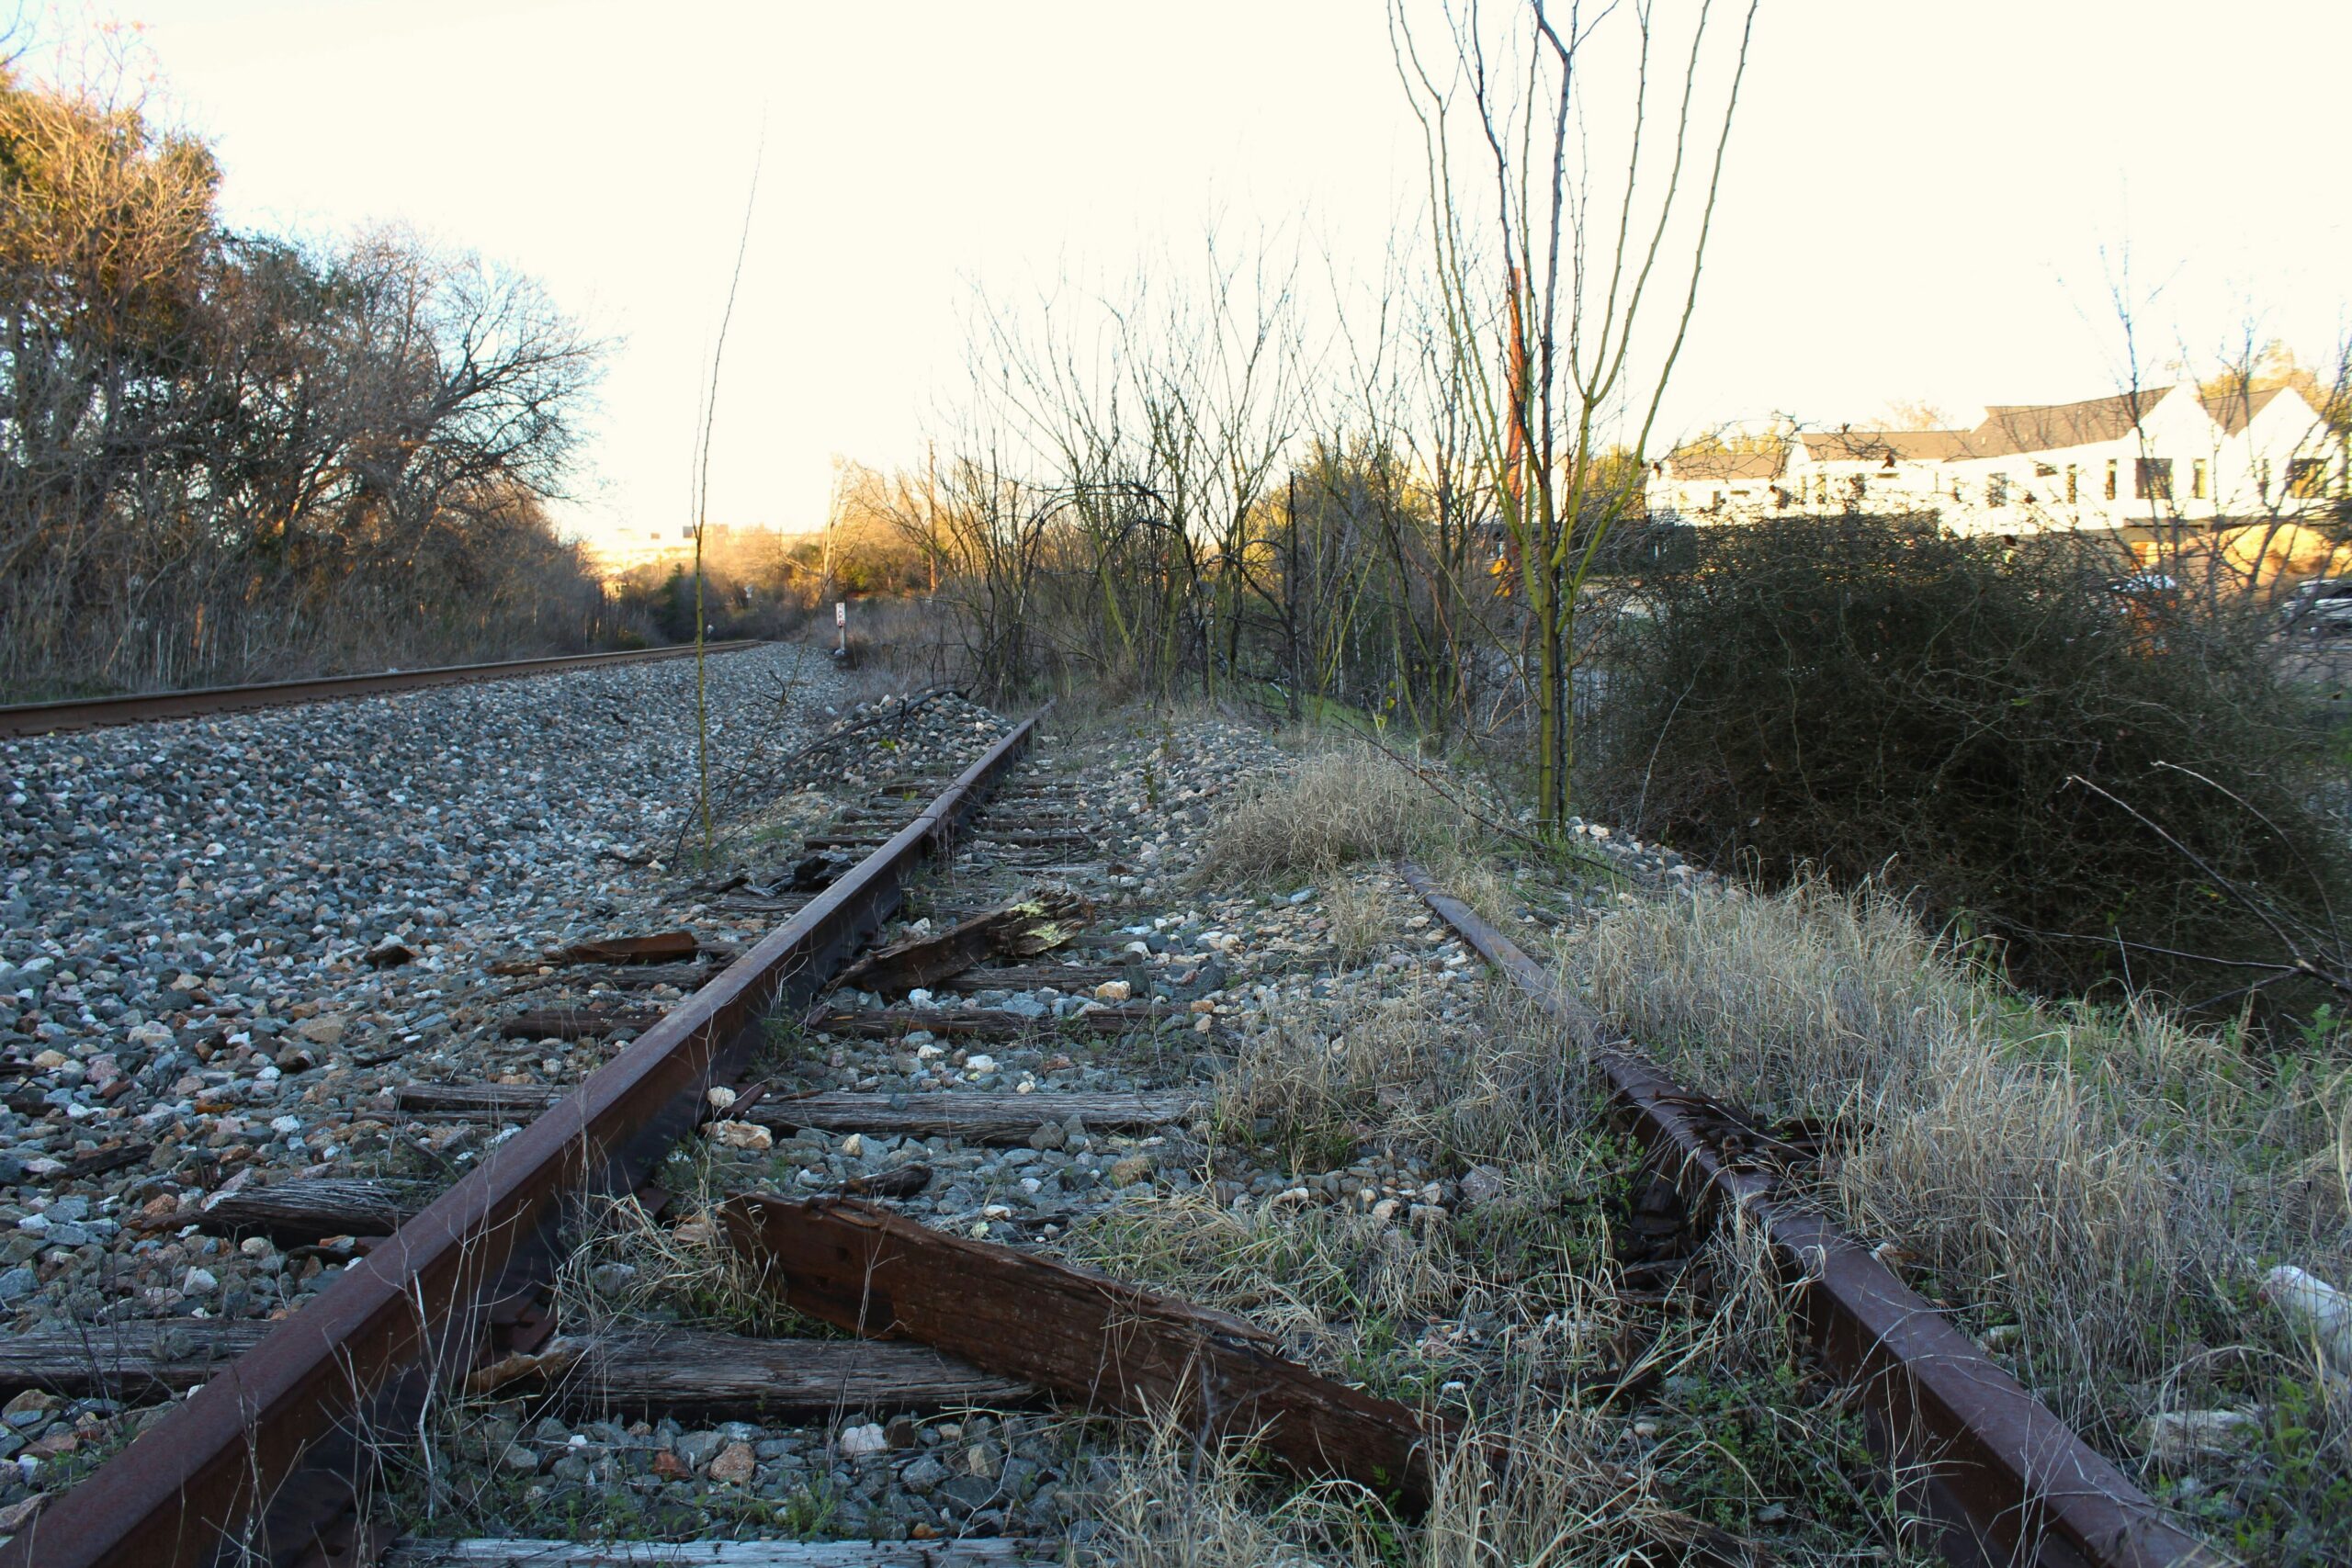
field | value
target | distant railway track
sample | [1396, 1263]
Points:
[21, 719]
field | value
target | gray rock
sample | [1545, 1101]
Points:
[696, 1448]
[968, 1492]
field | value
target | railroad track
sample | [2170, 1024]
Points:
[20, 719]
[2003, 1479]
[272, 1457]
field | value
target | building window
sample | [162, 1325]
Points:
[2151, 478]
[1997, 490]
[2262, 479]
[2044, 471]
[2304, 478]
[2111, 479]
[1955, 487]
[2197, 479]
[2074, 484]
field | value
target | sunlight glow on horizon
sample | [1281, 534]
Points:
[1917, 206]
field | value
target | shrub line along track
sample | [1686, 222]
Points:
[2004, 1477]
[23, 719]
[288, 1422]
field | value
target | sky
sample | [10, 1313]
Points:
[1923, 202]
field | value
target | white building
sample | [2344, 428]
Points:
[2134, 461]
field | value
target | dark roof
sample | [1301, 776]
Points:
[1720, 465]
[2236, 409]
[1851, 445]
[2043, 427]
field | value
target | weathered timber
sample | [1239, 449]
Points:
[976, 1117]
[1081, 1335]
[477, 1102]
[729, 1376]
[641, 976]
[1070, 979]
[904, 1181]
[1036, 924]
[574, 1023]
[986, 1023]
[416, 1552]
[93, 1162]
[713, 1377]
[738, 904]
[134, 1362]
[661, 947]
[1080, 942]
[291, 1212]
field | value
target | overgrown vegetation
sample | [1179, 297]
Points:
[226, 453]
[2099, 1189]
[1508, 1312]
[2118, 784]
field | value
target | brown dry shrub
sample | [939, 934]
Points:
[2107, 1178]
[1337, 807]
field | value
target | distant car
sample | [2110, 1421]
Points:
[2319, 608]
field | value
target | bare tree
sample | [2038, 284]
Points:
[1548, 274]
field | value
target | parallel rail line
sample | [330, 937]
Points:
[2003, 1477]
[21, 719]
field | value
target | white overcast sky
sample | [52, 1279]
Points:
[1924, 201]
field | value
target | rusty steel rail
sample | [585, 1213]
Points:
[2005, 1478]
[22, 719]
[264, 1462]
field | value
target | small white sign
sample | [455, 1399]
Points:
[841, 614]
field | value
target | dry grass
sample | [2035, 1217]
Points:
[1507, 1314]
[626, 1266]
[1362, 918]
[2111, 1182]
[1532, 1482]
[1340, 805]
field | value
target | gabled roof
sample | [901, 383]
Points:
[2042, 427]
[1720, 465]
[1850, 445]
[2236, 409]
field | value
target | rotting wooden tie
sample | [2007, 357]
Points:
[574, 1023]
[715, 1376]
[1111, 1346]
[1042, 920]
[974, 1116]
[986, 1023]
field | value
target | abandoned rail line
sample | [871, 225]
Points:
[276, 1442]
